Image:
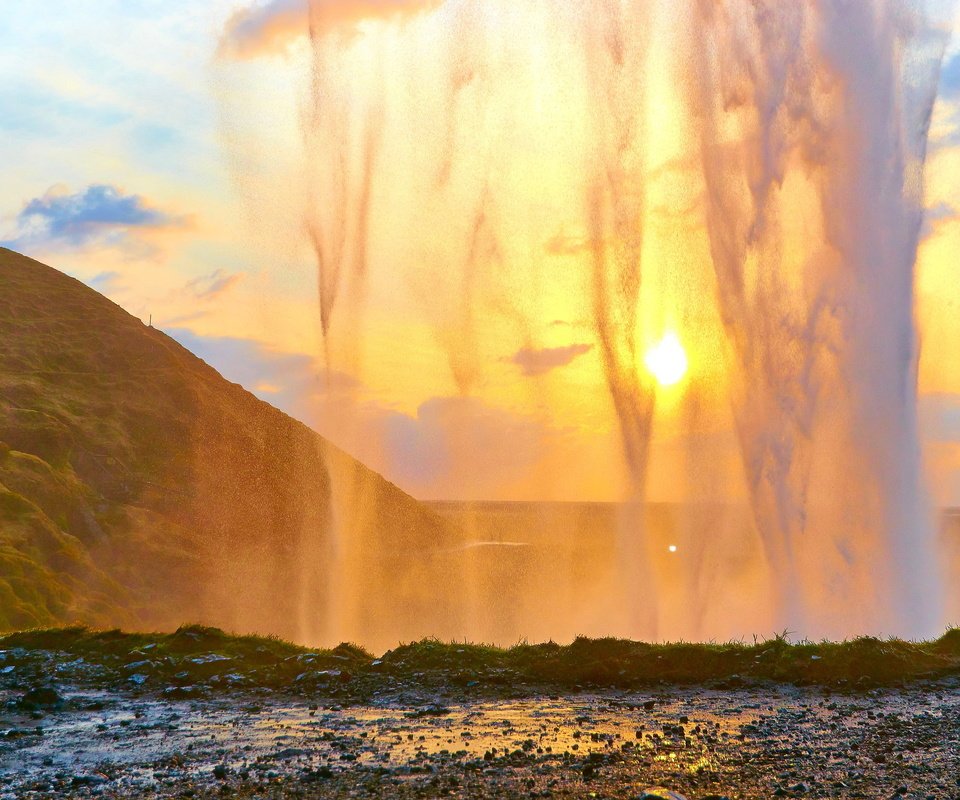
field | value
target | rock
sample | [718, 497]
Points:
[18, 733]
[323, 675]
[87, 780]
[182, 692]
[434, 710]
[209, 658]
[44, 698]
[319, 774]
[659, 793]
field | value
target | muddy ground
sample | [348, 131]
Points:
[756, 741]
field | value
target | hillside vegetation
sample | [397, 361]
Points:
[138, 488]
[195, 661]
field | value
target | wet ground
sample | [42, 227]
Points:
[755, 742]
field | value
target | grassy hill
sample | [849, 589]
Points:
[139, 488]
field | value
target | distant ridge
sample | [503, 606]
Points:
[140, 488]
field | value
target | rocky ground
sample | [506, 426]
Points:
[760, 741]
[202, 714]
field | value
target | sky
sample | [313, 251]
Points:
[162, 152]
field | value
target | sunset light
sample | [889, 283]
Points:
[491, 398]
[667, 360]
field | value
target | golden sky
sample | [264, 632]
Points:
[180, 160]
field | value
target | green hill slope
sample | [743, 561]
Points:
[140, 488]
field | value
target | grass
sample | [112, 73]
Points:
[138, 488]
[253, 661]
[618, 662]
[190, 640]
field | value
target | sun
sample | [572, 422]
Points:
[667, 360]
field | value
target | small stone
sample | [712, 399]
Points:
[319, 774]
[434, 710]
[659, 793]
[87, 780]
[42, 697]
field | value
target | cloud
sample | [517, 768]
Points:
[264, 29]
[271, 27]
[451, 447]
[209, 287]
[459, 446]
[933, 217]
[101, 214]
[940, 418]
[289, 380]
[105, 282]
[534, 362]
[326, 15]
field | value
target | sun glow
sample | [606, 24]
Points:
[667, 360]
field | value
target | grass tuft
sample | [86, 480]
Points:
[209, 654]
